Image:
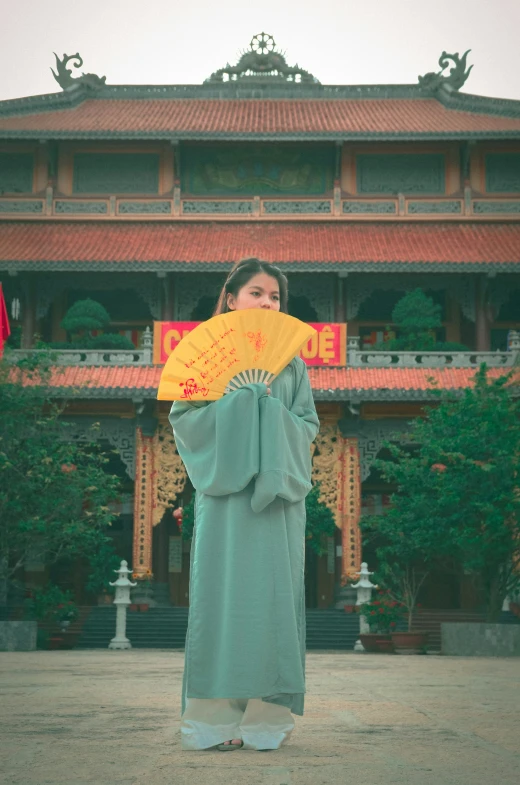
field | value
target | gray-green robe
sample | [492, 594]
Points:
[248, 457]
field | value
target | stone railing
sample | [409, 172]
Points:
[333, 206]
[85, 357]
[356, 357]
[368, 358]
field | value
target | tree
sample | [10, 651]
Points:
[457, 500]
[320, 520]
[85, 315]
[54, 493]
[416, 317]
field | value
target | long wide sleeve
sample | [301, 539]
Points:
[285, 440]
[219, 441]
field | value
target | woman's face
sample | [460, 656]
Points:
[261, 291]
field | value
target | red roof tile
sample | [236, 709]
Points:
[290, 117]
[392, 378]
[121, 380]
[46, 244]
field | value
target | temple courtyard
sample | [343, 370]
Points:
[109, 717]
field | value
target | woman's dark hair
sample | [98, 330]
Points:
[241, 273]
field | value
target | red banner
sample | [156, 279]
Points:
[327, 347]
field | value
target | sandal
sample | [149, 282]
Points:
[226, 747]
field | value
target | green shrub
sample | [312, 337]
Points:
[85, 315]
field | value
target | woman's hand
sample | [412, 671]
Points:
[268, 391]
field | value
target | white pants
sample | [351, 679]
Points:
[210, 721]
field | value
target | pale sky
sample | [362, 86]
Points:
[339, 41]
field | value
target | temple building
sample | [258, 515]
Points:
[142, 198]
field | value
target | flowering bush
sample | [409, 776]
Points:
[382, 613]
[50, 604]
[66, 611]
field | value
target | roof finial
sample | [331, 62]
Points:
[262, 62]
[64, 75]
[456, 78]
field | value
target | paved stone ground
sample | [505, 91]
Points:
[104, 718]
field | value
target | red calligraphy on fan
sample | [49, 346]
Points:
[191, 388]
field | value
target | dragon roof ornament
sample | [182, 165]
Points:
[454, 80]
[262, 62]
[64, 74]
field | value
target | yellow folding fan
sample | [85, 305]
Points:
[229, 351]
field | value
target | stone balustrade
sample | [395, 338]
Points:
[356, 357]
[368, 358]
[336, 207]
[112, 357]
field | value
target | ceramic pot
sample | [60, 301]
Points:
[385, 644]
[369, 641]
[409, 642]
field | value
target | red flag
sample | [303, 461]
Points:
[5, 330]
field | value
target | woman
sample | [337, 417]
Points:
[248, 457]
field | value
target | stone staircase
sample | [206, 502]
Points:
[156, 628]
[165, 628]
[331, 629]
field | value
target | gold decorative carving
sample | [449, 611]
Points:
[143, 505]
[170, 474]
[326, 450]
[335, 466]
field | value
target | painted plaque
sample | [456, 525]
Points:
[327, 347]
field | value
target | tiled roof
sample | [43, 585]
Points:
[196, 118]
[327, 383]
[306, 245]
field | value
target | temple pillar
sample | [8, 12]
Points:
[168, 297]
[29, 314]
[483, 320]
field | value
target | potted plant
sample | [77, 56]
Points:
[403, 585]
[84, 318]
[401, 572]
[49, 606]
[381, 614]
[65, 614]
[416, 318]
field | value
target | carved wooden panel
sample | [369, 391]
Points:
[258, 169]
[400, 173]
[98, 173]
[502, 173]
[16, 172]
[170, 474]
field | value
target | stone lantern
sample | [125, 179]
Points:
[364, 594]
[121, 601]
